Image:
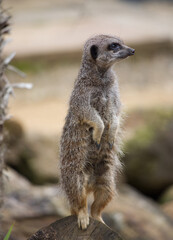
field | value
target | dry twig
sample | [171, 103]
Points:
[6, 88]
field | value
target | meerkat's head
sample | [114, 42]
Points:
[105, 50]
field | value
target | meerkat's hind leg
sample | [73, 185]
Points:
[102, 196]
[81, 212]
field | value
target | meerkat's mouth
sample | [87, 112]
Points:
[131, 51]
[124, 53]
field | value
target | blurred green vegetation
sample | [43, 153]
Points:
[154, 121]
[9, 233]
[148, 153]
[35, 64]
[167, 196]
[29, 66]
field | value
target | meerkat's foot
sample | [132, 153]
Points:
[83, 219]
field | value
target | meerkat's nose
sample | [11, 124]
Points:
[131, 51]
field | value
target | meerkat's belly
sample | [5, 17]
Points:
[101, 102]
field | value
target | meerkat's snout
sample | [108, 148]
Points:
[131, 51]
[125, 52]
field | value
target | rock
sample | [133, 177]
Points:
[18, 149]
[10, 177]
[148, 154]
[168, 209]
[23, 200]
[137, 217]
[67, 229]
[130, 214]
[166, 200]
[25, 154]
[44, 164]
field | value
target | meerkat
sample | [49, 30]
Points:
[90, 142]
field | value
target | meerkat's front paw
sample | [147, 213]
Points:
[98, 146]
[97, 134]
[112, 132]
[83, 220]
[111, 144]
[111, 137]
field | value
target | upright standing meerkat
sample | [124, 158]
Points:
[90, 141]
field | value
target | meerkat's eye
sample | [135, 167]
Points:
[114, 46]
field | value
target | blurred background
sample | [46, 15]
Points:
[48, 37]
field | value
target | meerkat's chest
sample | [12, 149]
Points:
[100, 100]
[99, 97]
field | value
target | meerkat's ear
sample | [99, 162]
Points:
[94, 51]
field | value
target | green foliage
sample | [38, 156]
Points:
[154, 122]
[9, 232]
[167, 196]
[148, 163]
[29, 66]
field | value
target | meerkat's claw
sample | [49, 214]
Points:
[83, 220]
[98, 146]
[111, 145]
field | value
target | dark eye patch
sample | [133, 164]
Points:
[114, 46]
[94, 51]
